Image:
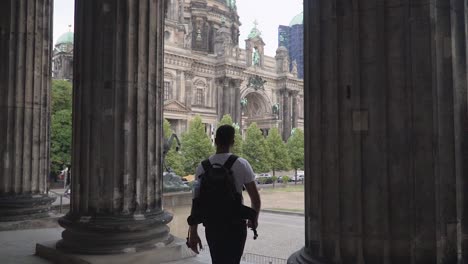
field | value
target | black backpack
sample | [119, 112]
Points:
[219, 202]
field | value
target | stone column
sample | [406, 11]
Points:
[118, 108]
[188, 89]
[286, 110]
[385, 132]
[236, 114]
[295, 109]
[25, 72]
[227, 96]
[178, 85]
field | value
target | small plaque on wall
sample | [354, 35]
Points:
[360, 120]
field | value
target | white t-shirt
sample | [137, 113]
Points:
[241, 171]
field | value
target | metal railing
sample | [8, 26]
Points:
[255, 258]
[260, 259]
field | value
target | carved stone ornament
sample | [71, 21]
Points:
[256, 82]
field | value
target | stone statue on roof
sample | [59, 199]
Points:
[294, 68]
[256, 57]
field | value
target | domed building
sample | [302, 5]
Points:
[62, 58]
[292, 37]
[207, 74]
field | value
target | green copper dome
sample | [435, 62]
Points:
[66, 38]
[297, 20]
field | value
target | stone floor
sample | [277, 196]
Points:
[279, 237]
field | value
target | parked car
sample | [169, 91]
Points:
[264, 178]
[300, 176]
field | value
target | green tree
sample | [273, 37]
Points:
[255, 149]
[278, 150]
[174, 159]
[296, 150]
[61, 96]
[196, 145]
[237, 149]
[61, 139]
[61, 125]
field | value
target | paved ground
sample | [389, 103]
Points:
[279, 236]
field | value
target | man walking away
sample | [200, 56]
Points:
[220, 210]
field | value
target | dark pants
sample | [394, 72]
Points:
[226, 242]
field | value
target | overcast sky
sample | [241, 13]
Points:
[269, 14]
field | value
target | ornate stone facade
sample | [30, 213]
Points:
[207, 74]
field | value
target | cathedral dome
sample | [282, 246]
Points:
[66, 38]
[297, 20]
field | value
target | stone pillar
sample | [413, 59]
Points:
[118, 108]
[294, 108]
[236, 114]
[385, 132]
[227, 96]
[25, 72]
[188, 89]
[178, 85]
[286, 110]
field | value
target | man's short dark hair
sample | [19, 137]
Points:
[225, 135]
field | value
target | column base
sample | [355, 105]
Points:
[24, 207]
[303, 257]
[114, 234]
[177, 250]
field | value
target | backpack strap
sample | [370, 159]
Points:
[230, 161]
[206, 164]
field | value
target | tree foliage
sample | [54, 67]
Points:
[296, 149]
[174, 159]
[255, 149]
[61, 125]
[196, 145]
[237, 149]
[61, 96]
[278, 150]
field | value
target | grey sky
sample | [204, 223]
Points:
[269, 14]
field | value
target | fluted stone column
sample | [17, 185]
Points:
[25, 59]
[386, 132]
[286, 110]
[295, 108]
[188, 89]
[118, 108]
[236, 114]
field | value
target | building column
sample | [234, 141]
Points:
[236, 115]
[25, 55]
[386, 123]
[117, 133]
[286, 110]
[227, 97]
[188, 89]
[295, 109]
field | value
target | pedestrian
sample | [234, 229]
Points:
[68, 181]
[218, 202]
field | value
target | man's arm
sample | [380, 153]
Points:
[252, 190]
[193, 240]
